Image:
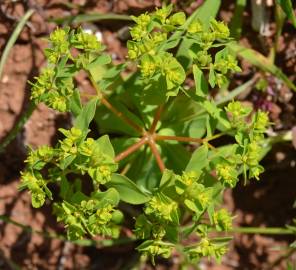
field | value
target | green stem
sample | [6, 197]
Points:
[259, 230]
[14, 37]
[19, 125]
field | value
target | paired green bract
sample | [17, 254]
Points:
[185, 199]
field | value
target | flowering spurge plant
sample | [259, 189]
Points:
[147, 118]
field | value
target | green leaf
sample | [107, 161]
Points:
[193, 206]
[75, 103]
[176, 156]
[167, 179]
[106, 146]
[13, 38]
[87, 114]
[260, 61]
[237, 19]
[65, 188]
[110, 196]
[111, 76]
[78, 197]
[199, 159]
[101, 60]
[201, 84]
[64, 163]
[197, 128]
[287, 7]
[128, 190]
[92, 17]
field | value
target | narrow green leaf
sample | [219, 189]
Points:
[260, 61]
[237, 19]
[128, 190]
[13, 38]
[287, 7]
[93, 17]
[87, 114]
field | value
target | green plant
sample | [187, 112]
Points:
[149, 113]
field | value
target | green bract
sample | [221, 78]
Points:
[152, 112]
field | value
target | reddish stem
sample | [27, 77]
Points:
[180, 139]
[156, 154]
[156, 119]
[131, 149]
[121, 115]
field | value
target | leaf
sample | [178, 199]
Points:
[128, 190]
[78, 197]
[64, 163]
[237, 19]
[65, 188]
[260, 61]
[214, 111]
[87, 114]
[201, 84]
[167, 179]
[287, 7]
[172, 234]
[101, 60]
[93, 17]
[106, 146]
[199, 159]
[110, 196]
[197, 128]
[193, 206]
[75, 103]
[204, 14]
[176, 156]
[111, 76]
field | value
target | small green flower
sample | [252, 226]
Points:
[227, 173]
[261, 121]
[195, 27]
[43, 84]
[237, 109]
[86, 41]
[203, 58]
[160, 209]
[148, 66]
[223, 220]
[220, 29]
[178, 18]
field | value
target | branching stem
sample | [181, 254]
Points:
[177, 138]
[131, 149]
[108, 105]
[121, 115]
[156, 119]
[156, 154]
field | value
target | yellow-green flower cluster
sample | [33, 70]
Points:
[206, 248]
[90, 216]
[37, 187]
[223, 220]
[55, 86]
[227, 173]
